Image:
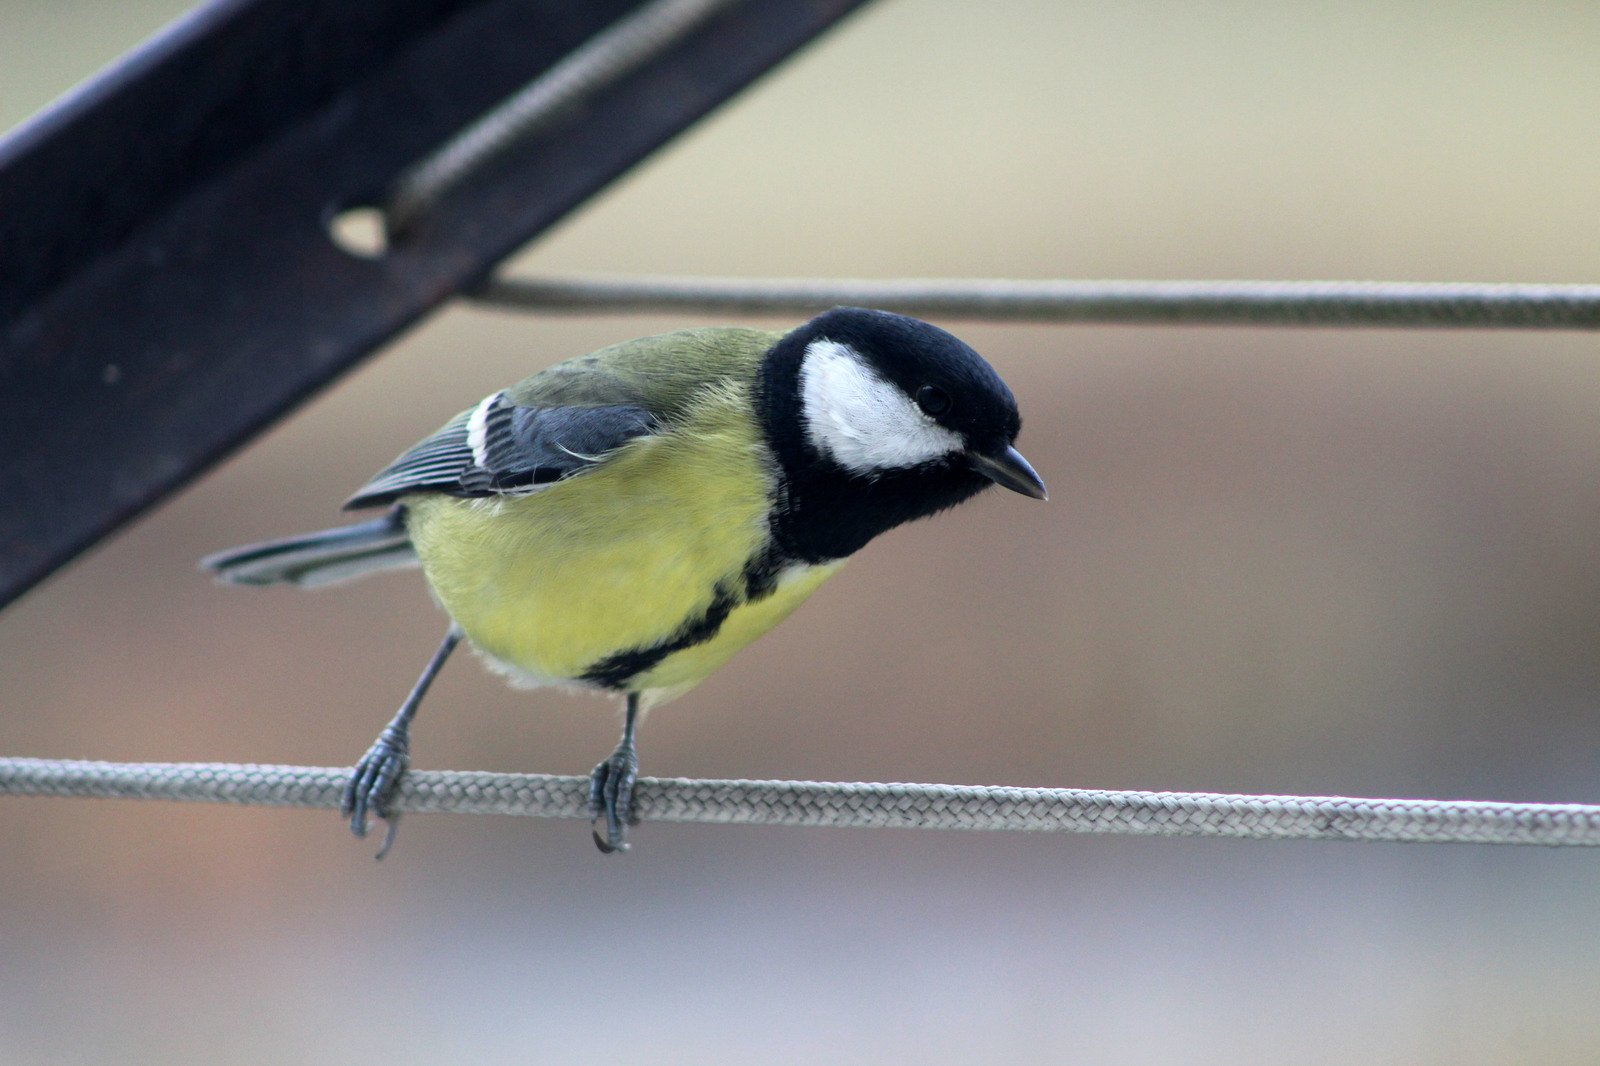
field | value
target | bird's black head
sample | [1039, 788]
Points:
[877, 419]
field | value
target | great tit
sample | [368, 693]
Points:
[627, 520]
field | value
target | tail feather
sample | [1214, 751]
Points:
[318, 558]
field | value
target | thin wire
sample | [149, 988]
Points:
[1234, 303]
[809, 803]
[608, 56]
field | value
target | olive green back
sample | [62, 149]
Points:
[661, 373]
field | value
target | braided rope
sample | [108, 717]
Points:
[1388, 304]
[809, 803]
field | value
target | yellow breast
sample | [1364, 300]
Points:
[619, 558]
[681, 671]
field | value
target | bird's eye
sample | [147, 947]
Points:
[933, 400]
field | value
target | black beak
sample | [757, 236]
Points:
[1010, 469]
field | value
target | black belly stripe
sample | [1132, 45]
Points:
[758, 581]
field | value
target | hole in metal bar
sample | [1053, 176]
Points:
[360, 231]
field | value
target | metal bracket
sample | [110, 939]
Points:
[167, 284]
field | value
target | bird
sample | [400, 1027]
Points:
[627, 520]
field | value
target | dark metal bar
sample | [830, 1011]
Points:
[1422, 305]
[624, 45]
[167, 285]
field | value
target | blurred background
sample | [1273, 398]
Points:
[1362, 562]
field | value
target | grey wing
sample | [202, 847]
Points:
[500, 448]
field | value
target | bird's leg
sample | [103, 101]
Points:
[378, 774]
[611, 787]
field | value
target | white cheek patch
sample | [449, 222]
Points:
[863, 422]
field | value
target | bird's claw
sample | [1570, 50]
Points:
[611, 798]
[373, 784]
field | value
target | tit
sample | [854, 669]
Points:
[629, 519]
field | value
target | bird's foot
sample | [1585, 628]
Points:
[373, 784]
[611, 798]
